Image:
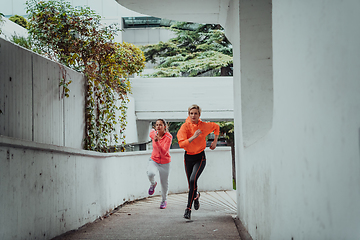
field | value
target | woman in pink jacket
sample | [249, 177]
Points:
[160, 159]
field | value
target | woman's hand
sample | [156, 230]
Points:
[156, 137]
[213, 144]
[196, 134]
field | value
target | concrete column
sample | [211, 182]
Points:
[143, 130]
[248, 26]
[232, 29]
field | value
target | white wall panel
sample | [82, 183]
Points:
[128, 35]
[48, 105]
[170, 98]
[146, 36]
[74, 110]
[31, 103]
[16, 92]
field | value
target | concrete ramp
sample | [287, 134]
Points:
[145, 220]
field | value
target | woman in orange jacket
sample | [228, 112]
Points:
[191, 138]
[160, 159]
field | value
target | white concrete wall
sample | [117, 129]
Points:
[47, 190]
[298, 179]
[169, 98]
[248, 26]
[301, 181]
[31, 103]
[141, 36]
[232, 30]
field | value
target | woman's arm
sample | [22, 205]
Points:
[213, 144]
[196, 134]
[216, 129]
[182, 137]
[163, 149]
[152, 134]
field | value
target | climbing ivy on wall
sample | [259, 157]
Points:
[76, 38]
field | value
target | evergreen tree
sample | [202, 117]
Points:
[196, 49]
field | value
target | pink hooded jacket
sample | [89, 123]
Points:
[160, 152]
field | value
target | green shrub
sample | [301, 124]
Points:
[20, 20]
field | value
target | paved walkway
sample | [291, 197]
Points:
[144, 219]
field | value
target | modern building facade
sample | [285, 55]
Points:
[297, 118]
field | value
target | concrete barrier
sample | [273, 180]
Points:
[47, 190]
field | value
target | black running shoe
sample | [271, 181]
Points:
[196, 202]
[187, 213]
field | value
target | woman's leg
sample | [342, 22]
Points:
[164, 170]
[151, 171]
[194, 166]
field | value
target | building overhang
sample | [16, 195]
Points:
[200, 11]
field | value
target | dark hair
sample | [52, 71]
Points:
[165, 124]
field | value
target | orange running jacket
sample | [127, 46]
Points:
[188, 129]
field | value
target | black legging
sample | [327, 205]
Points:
[194, 165]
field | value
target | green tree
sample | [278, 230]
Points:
[20, 20]
[196, 49]
[76, 38]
